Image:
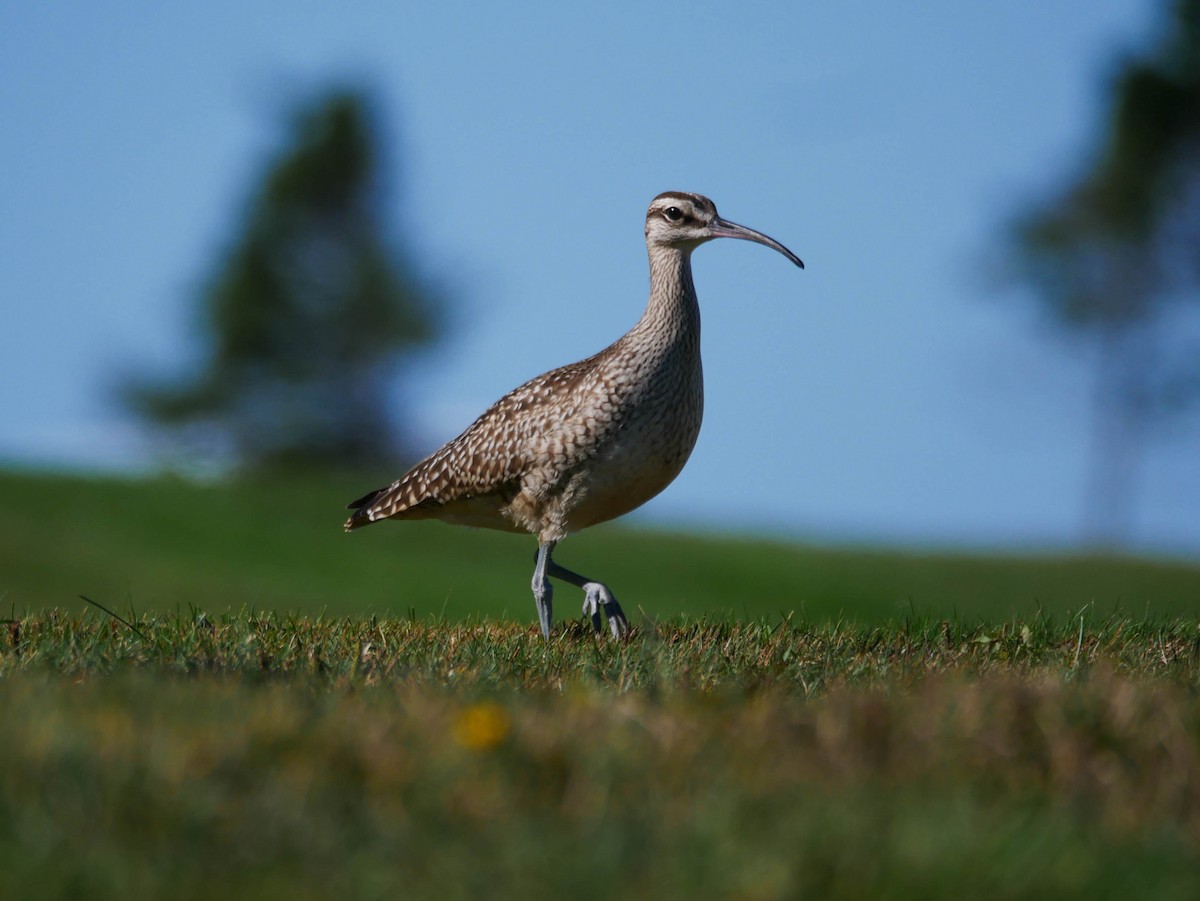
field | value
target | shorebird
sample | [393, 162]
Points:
[587, 442]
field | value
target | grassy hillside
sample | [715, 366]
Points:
[165, 544]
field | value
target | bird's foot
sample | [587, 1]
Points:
[598, 598]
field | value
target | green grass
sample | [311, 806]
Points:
[165, 544]
[278, 710]
[802, 658]
[257, 756]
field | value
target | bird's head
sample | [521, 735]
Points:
[685, 221]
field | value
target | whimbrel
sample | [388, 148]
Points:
[587, 442]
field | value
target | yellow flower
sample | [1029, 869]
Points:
[481, 727]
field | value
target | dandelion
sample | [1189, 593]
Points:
[480, 727]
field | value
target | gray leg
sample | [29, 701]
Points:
[597, 597]
[543, 593]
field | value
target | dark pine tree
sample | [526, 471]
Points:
[308, 312]
[1114, 257]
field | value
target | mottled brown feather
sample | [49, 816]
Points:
[488, 459]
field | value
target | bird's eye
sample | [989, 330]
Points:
[673, 214]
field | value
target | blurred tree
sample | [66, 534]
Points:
[1115, 257]
[307, 311]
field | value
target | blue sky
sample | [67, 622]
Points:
[887, 392]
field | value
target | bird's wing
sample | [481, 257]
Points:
[489, 457]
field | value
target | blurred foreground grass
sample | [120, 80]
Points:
[165, 544]
[267, 756]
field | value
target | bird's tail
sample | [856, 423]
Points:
[362, 509]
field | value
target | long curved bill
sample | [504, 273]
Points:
[723, 228]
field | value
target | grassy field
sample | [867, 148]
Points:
[276, 710]
[167, 544]
[269, 756]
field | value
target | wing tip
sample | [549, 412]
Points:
[365, 500]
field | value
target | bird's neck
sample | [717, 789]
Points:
[672, 312]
